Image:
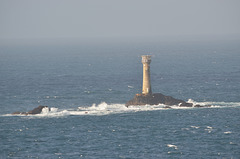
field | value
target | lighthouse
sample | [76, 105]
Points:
[149, 98]
[146, 87]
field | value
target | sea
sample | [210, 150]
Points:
[86, 85]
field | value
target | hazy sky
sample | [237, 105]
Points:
[117, 18]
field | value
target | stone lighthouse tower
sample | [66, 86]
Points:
[146, 87]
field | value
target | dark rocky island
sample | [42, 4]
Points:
[37, 110]
[156, 99]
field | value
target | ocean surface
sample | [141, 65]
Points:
[87, 84]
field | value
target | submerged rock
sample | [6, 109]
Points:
[157, 98]
[37, 110]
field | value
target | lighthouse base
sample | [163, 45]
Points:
[158, 98]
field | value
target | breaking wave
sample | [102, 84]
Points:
[215, 104]
[105, 109]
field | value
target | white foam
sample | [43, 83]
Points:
[209, 129]
[105, 109]
[218, 104]
[196, 127]
[227, 132]
[173, 146]
[45, 110]
[191, 101]
[53, 109]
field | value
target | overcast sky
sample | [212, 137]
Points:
[117, 18]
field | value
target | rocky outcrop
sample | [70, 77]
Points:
[37, 110]
[158, 98]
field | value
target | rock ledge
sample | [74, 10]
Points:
[158, 98]
[37, 110]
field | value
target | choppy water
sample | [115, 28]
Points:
[86, 87]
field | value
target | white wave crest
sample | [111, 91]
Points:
[215, 104]
[173, 146]
[45, 110]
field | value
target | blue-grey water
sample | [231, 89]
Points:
[86, 86]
